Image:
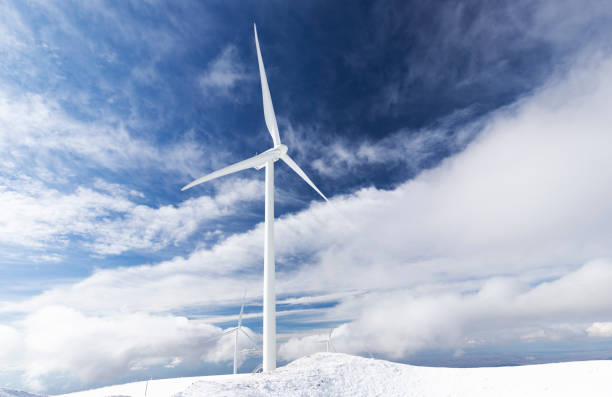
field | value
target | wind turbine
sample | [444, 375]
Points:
[265, 159]
[236, 331]
[328, 342]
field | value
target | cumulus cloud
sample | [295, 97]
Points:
[600, 330]
[12, 345]
[526, 201]
[61, 341]
[502, 310]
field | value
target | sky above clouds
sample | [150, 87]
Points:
[465, 147]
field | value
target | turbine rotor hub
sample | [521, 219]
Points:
[282, 149]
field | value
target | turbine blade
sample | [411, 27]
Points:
[242, 309]
[267, 99]
[240, 316]
[289, 161]
[230, 169]
[248, 336]
[229, 331]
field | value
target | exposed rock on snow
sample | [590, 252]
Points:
[334, 374]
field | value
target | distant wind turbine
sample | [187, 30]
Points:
[328, 341]
[267, 159]
[236, 331]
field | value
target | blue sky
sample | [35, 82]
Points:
[464, 146]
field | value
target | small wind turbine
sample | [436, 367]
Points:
[236, 331]
[267, 159]
[328, 342]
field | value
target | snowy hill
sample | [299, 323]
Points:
[334, 374]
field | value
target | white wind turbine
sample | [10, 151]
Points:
[328, 341]
[267, 159]
[236, 331]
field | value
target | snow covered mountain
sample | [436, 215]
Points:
[335, 374]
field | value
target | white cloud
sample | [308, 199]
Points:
[44, 149]
[600, 330]
[528, 197]
[143, 227]
[297, 347]
[398, 323]
[35, 133]
[12, 345]
[224, 74]
[526, 200]
[339, 157]
[108, 219]
[14, 34]
[57, 340]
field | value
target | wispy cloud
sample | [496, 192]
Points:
[414, 150]
[37, 134]
[225, 76]
[108, 219]
[45, 152]
[499, 51]
[15, 35]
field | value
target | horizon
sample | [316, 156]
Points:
[464, 147]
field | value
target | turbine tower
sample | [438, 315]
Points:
[267, 159]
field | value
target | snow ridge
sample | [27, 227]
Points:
[336, 374]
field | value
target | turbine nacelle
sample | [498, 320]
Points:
[275, 153]
[282, 149]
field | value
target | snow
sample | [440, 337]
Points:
[335, 374]
[154, 388]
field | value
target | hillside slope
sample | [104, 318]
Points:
[334, 374]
